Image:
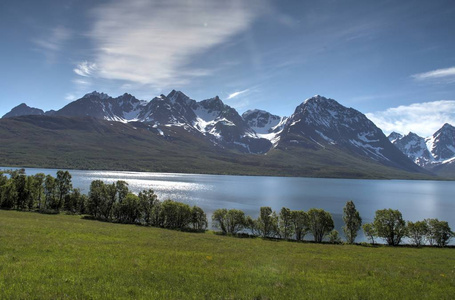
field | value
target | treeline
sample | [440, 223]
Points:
[108, 202]
[116, 203]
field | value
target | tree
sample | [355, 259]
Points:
[175, 215]
[64, 186]
[390, 226]
[72, 201]
[299, 220]
[38, 189]
[439, 232]
[147, 200]
[129, 211]
[198, 218]
[267, 223]
[334, 237]
[9, 194]
[320, 223]
[95, 198]
[286, 225]
[20, 182]
[368, 230]
[229, 221]
[50, 192]
[352, 221]
[417, 232]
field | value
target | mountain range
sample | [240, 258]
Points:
[175, 133]
[435, 153]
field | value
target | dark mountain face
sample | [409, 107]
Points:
[23, 110]
[320, 122]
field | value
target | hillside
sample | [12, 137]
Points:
[61, 256]
[89, 143]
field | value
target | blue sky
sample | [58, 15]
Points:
[392, 60]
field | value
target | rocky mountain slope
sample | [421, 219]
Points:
[320, 134]
[435, 153]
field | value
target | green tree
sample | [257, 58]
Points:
[147, 201]
[439, 232]
[320, 223]
[267, 222]
[390, 226]
[417, 232]
[352, 221]
[23, 194]
[198, 218]
[95, 198]
[229, 221]
[9, 194]
[334, 237]
[300, 224]
[175, 215]
[50, 193]
[38, 188]
[64, 186]
[369, 231]
[219, 219]
[286, 225]
[129, 211]
[72, 201]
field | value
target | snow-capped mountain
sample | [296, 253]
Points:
[124, 108]
[394, 136]
[413, 146]
[316, 124]
[320, 122]
[429, 152]
[264, 123]
[22, 110]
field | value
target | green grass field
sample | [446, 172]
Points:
[60, 256]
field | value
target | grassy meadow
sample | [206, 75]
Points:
[62, 256]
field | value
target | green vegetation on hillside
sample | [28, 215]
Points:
[62, 256]
[91, 144]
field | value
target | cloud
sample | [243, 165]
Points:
[53, 42]
[85, 69]
[233, 95]
[448, 73]
[154, 42]
[423, 119]
[70, 97]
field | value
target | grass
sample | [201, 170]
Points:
[61, 256]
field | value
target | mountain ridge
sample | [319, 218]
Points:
[320, 128]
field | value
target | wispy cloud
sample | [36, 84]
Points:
[85, 69]
[235, 94]
[53, 42]
[423, 119]
[153, 42]
[447, 73]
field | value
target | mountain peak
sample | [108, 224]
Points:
[102, 96]
[23, 110]
[447, 126]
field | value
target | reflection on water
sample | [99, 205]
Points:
[416, 200]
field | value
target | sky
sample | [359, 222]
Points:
[392, 60]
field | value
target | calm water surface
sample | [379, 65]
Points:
[416, 200]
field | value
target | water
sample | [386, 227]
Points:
[416, 200]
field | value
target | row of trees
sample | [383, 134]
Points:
[115, 203]
[289, 224]
[389, 225]
[109, 202]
